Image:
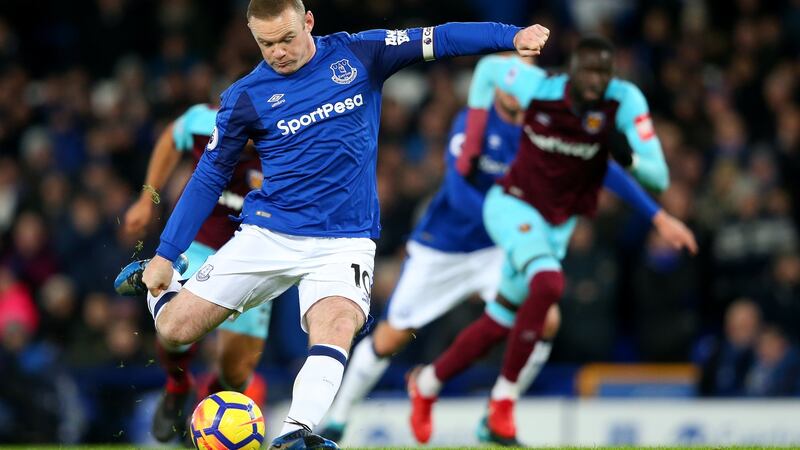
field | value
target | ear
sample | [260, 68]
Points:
[309, 25]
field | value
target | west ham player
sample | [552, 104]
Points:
[312, 110]
[240, 341]
[571, 125]
[450, 256]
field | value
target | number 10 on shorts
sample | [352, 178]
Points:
[362, 279]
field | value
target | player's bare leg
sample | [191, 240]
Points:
[238, 356]
[369, 361]
[332, 323]
[186, 317]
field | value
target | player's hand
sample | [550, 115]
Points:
[530, 41]
[138, 216]
[674, 232]
[157, 275]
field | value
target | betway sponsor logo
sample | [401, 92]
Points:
[556, 145]
[321, 113]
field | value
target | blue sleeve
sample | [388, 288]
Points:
[633, 120]
[619, 182]
[198, 119]
[213, 172]
[462, 195]
[384, 52]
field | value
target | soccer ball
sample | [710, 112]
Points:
[227, 420]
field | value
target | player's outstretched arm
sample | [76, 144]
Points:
[384, 52]
[675, 232]
[671, 229]
[618, 181]
[162, 163]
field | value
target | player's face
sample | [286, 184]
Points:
[285, 40]
[590, 74]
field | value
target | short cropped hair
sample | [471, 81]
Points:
[598, 43]
[266, 9]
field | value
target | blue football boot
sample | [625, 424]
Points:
[486, 436]
[301, 439]
[129, 281]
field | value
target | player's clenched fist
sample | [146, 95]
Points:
[530, 41]
[157, 275]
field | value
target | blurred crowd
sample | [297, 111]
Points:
[85, 87]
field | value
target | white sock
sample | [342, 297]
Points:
[534, 364]
[427, 383]
[504, 389]
[315, 386]
[155, 304]
[364, 370]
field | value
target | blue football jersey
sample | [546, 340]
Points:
[316, 133]
[452, 223]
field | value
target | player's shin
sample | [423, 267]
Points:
[470, 345]
[315, 387]
[534, 365]
[364, 370]
[546, 288]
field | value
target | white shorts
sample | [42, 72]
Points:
[257, 265]
[432, 282]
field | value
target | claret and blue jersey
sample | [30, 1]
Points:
[316, 133]
[453, 221]
[563, 155]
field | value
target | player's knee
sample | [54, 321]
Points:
[335, 321]
[173, 332]
[548, 284]
[344, 325]
[552, 323]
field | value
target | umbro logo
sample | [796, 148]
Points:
[276, 100]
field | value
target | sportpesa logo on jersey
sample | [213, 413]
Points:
[321, 113]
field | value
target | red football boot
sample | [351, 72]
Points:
[501, 418]
[421, 408]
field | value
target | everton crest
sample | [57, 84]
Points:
[343, 72]
[204, 273]
[594, 121]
